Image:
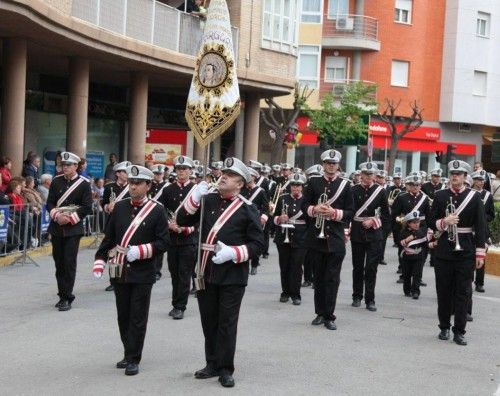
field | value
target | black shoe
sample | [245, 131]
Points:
[265, 256]
[158, 277]
[459, 339]
[330, 325]
[296, 301]
[59, 303]
[122, 364]
[407, 295]
[178, 314]
[480, 288]
[371, 307]
[172, 311]
[132, 369]
[399, 271]
[383, 262]
[394, 245]
[356, 302]
[65, 306]
[400, 280]
[110, 288]
[444, 334]
[206, 372]
[415, 296]
[470, 318]
[284, 299]
[423, 284]
[226, 380]
[318, 320]
[253, 271]
[306, 284]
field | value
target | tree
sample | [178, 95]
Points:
[280, 121]
[409, 124]
[340, 119]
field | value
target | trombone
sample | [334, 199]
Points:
[453, 228]
[274, 201]
[320, 219]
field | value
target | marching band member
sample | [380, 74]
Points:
[261, 180]
[456, 213]
[135, 234]
[479, 178]
[181, 255]
[328, 201]
[381, 180]
[232, 235]
[290, 239]
[259, 198]
[157, 186]
[276, 174]
[413, 240]
[69, 201]
[429, 188]
[216, 170]
[371, 211]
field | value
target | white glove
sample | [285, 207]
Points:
[133, 254]
[97, 274]
[224, 254]
[98, 269]
[199, 191]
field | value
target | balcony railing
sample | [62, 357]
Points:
[148, 21]
[351, 31]
[338, 87]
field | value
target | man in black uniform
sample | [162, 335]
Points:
[69, 201]
[181, 255]
[262, 182]
[290, 239]
[371, 212]
[328, 202]
[434, 184]
[232, 230]
[276, 175]
[157, 186]
[460, 210]
[216, 170]
[135, 233]
[259, 198]
[115, 192]
[479, 178]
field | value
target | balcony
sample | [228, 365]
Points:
[148, 21]
[351, 32]
[338, 87]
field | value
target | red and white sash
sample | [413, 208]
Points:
[255, 193]
[486, 196]
[122, 194]
[185, 199]
[338, 192]
[158, 194]
[367, 203]
[419, 203]
[465, 202]
[73, 187]
[226, 215]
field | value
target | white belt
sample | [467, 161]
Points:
[361, 219]
[464, 230]
[296, 222]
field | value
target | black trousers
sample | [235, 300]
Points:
[411, 274]
[219, 312]
[365, 259]
[290, 260]
[158, 263]
[479, 281]
[453, 286]
[64, 251]
[132, 306]
[181, 262]
[383, 244]
[327, 268]
[266, 239]
[308, 266]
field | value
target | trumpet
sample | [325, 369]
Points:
[286, 226]
[171, 216]
[400, 219]
[274, 201]
[392, 195]
[453, 228]
[320, 219]
[112, 196]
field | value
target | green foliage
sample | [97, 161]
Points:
[495, 225]
[341, 117]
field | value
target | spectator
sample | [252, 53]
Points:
[31, 196]
[58, 169]
[109, 174]
[199, 10]
[31, 167]
[98, 188]
[495, 188]
[5, 167]
[82, 168]
[43, 187]
[14, 189]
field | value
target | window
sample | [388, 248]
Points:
[483, 24]
[402, 11]
[311, 11]
[335, 68]
[308, 65]
[279, 25]
[480, 83]
[338, 7]
[399, 73]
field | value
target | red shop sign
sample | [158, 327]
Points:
[380, 128]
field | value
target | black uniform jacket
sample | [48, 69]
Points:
[242, 229]
[404, 204]
[419, 242]
[153, 230]
[296, 235]
[472, 216]
[334, 228]
[116, 189]
[360, 195]
[155, 187]
[171, 198]
[81, 196]
[261, 200]
[430, 189]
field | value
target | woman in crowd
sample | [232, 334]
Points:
[5, 167]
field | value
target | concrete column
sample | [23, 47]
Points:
[251, 135]
[138, 118]
[350, 159]
[415, 161]
[216, 149]
[197, 151]
[239, 135]
[78, 105]
[360, 7]
[290, 156]
[356, 65]
[13, 101]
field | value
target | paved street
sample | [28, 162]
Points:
[394, 351]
